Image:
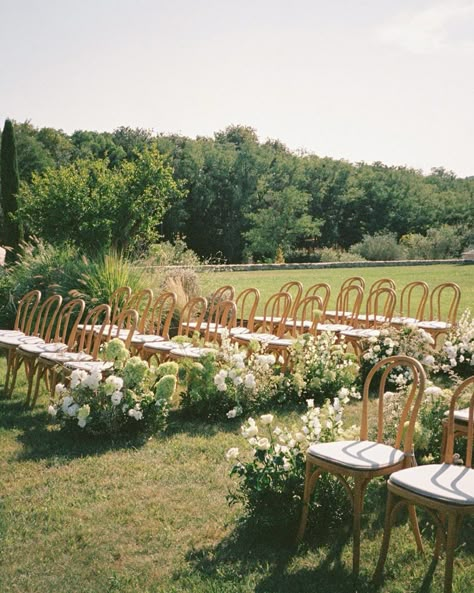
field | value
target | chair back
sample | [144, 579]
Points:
[160, 315]
[126, 323]
[247, 303]
[69, 318]
[348, 304]
[295, 290]
[323, 291]
[458, 393]
[307, 316]
[387, 366]
[46, 316]
[90, 341]
[380, 306]
[413, 300]
[275, 313]
[140, 301]
[223, 293]
[353, 281]
[444, 302]
[382, 283]
[117, 302]
[26, 311]
[193, 312]
[225, 316]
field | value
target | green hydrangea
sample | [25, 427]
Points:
[167, 368]
[134, 372]
[165, 387]
[115, 351]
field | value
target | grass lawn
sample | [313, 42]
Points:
[92, 516]
[269, 282]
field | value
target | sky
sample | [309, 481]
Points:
[366, 80]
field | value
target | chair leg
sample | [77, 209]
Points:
[450, 545]
[39, 375]
[10, 354]
[311, 478]
[358, 504]
[15, 365]
[389, 517]
[444, 440]
[415, 528]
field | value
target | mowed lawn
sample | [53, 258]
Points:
[269, 282]
[94, 516]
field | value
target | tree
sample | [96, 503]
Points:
[12, 233]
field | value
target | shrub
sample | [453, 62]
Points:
[439, 243]
[171, 254]
[381, 246]
[272, 473]
[129, 401]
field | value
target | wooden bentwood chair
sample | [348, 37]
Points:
[445, 490]
[363, 460]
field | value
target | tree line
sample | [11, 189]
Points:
[231, 195]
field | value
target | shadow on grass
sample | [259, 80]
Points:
[270, 557]
[42, 440]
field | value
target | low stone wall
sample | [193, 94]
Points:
[322, 265]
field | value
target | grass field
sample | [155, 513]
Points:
[90, 516]
[93, 516]
[269, 282]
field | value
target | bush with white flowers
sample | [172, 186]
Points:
[271, 469]
[135, 398]
[320, 367]
[456, 356]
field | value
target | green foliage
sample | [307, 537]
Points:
[382, 246]
[439, 243]
[95, 207]
[169, 253]
[9, 184]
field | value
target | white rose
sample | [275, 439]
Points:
[116, 397]
[82, 422]
[77, 377]
[263, 444]
[266, 419]
[60, 389]
[52, 411]
[232, 453]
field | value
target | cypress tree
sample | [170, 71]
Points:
[10, 184]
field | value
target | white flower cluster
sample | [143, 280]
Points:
[458, 349]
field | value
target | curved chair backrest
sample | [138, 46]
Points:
[348, 304]
[46, 316]
[406, 426]
[307, 316]
[128, 322]
[69, 318]
[323, 291]
[295, 290]
[223, 293]
[459, 392]
[141, 302]
[247, 303]
[90, 341]
[117, 302]
[380, 306]
[275, 313]
[438, 309]
[26, 311]
[161, 314]
[193, 312]
[353, 281]
[413, 300]
[382, 283]
[225, 316]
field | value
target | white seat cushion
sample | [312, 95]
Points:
[191, 352]
[258, 337]
[462, 415]
[11, 333]
[122, 334]
[446, 482]
[139, 339]
[15, 341]
[333, 327]
[63, 357]
[434, 325]
[90, 366]
[281, 342]
[361, 333]
[236, 331]
[404, 320]
[357, 454]
[35, 349]
[165, 345]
